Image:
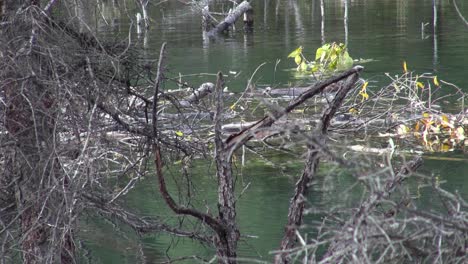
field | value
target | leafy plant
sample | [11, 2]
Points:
[329, 58]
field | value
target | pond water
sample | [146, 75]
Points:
[387, 31]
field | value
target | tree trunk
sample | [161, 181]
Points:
[226, 244]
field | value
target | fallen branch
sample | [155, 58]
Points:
[230, 19]
[204, 90]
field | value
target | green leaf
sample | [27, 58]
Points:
[295, 53]
[179, 133]
[322, 51]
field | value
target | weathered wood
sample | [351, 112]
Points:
[296, 91]
[204, 90]
[230, 19]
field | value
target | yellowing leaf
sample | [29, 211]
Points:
[417, 126]
[405, 69]
[232, 106]
[353, 111]
[295, 53]
[179, 133]
[298, 59]
[363, 92]
[303, 66]
[364, 86]
[444, 118]
[445, 148]
[436, 82]
[364, 95]
[445, 122]
[420, 85]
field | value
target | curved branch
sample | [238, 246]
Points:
[459, 13]
[212, 222]
[139, 224]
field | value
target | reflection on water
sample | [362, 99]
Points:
[388, 31]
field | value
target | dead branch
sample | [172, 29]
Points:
[336, 251]
[212, 222]
[157, 83]
[238, 139]
[297, 204]
[141, 225]
[230, 19]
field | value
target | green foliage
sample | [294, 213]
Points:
[329, 58]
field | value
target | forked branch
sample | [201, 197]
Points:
[212, 222]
